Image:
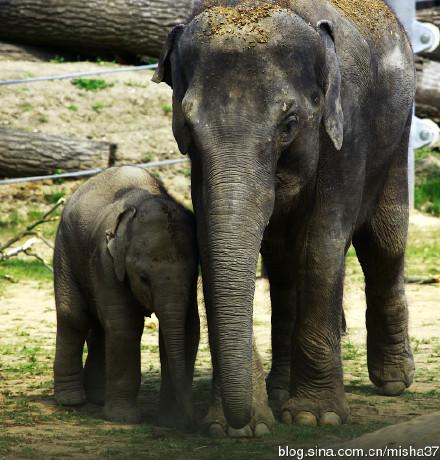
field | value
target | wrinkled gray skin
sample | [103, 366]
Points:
[125, 249]
[298, 147]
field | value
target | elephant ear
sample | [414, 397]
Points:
[333, 117]
[163, 72]
[167, 67]
[117, 241]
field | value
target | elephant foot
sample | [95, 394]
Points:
[172, 419]
[261, 423]
[277, 384]
[70, 397]
[313, 412]
[96, 395]
[69, 390]
[122, 412]
[391, 371]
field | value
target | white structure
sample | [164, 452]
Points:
[424, 37]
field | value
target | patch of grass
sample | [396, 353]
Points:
[57, 60]
[98, 106]
[186, 172]
[350, 351]
[25, 107]
[167, 109]
[42, 118]
[11, 221]
[91, 84]
[25, 269]
[147, 158]
[427, 195]
[72, 108]
[423, 153]
[150, 60]
[54, 196]
[34, 214]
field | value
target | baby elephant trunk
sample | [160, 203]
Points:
[178, 339]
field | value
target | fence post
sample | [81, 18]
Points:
[424, 37]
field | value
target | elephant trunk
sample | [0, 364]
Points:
[235, 213]
[173, 331]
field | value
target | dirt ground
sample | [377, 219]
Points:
[135, 114]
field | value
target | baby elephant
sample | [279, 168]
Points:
[125, 249]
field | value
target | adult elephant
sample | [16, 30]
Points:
[296, 116]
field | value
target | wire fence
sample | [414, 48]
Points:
[77, 74]
[89, 172]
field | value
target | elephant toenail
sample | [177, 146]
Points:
[245, 432]
[216, 431]
[330, 418]
[286, 417]
[305, 418]
[261, 430]
[393, 388]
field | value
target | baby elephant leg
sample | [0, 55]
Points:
[94, 369]
[123, 331]
[72, 327]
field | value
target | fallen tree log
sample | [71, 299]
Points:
[128, 27]
[25, 154]
[428, 89]
[431, 15]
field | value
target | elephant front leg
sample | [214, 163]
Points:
[262, 420]
[317, 391]
[123, 365]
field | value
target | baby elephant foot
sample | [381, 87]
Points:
[122, 412]
[70, 397]
[313, 412]
[392, 373]
[69, 393]
[261, 423]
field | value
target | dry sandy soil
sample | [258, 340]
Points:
[134, 113]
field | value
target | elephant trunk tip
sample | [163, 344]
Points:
[236, 419]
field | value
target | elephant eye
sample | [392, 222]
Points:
[144, 278]
[288, 128]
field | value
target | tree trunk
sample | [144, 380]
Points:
[125, 27]
[428, 89]
[431, 15]
[25, 154]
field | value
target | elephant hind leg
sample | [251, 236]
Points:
[94, 369]
[72, 327]
[380, 246]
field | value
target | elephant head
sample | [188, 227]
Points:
[247, 98]
[153, 249]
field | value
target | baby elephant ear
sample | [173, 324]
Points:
[333, 116]
[117, 241]
[164, 71]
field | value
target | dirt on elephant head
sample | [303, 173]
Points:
[372, 14]
[242, 20]
[243, 17]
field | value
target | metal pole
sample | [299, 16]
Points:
[424, 37]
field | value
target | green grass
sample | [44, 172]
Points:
[427, 189]
[427, 195]
[91, 84]
[167, 109]
[54, 196]
[57, 60]
[25, 107]
[72, 108]
[21, 269]
[147, 158]
[98, 106]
